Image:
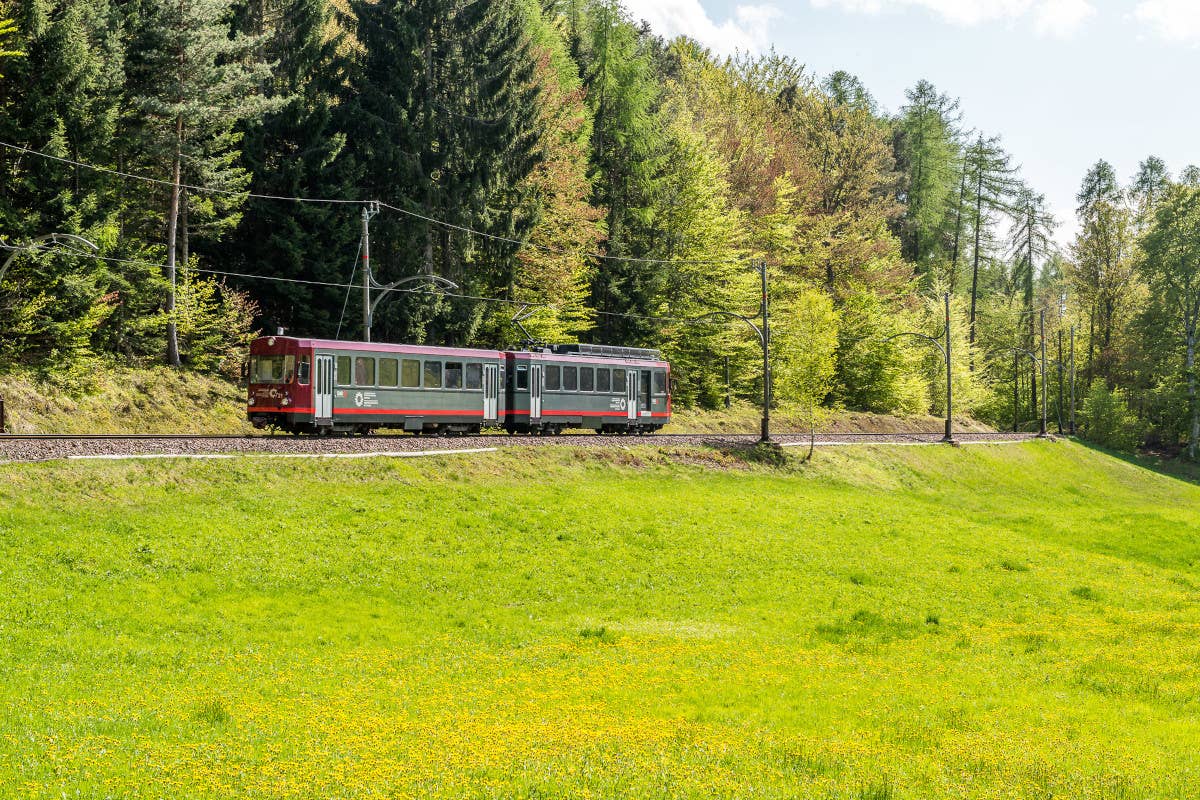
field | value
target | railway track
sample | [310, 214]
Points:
[42, 447]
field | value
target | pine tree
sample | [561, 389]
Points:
[201, 82]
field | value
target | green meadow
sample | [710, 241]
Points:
[882, 623]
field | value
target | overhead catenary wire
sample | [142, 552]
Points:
[341, 201]
[351, 285]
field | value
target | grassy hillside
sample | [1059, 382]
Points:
[984, 622]
[123, 401]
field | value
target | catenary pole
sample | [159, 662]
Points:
[1071, 427]
[370, 210]
[949, 378]
[766, 345]
[1045, 408]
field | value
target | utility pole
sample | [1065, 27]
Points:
[1060, 382]
[766, 343]
[1042, 326]
[728, 387]
[1072, 423]
[369, 211]
[949, 378]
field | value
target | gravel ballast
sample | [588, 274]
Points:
[30, 449]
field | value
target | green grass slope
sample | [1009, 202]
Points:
[108, 400]
[984, 622]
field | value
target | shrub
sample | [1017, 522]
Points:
[1107, 421]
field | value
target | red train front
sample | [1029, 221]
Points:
[280, 378]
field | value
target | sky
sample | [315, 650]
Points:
[1065, 83]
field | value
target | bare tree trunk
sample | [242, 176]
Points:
[958, 223]
[975, 267]
[172, 229]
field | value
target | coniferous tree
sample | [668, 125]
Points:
[297, 151]
[928, 153]
[61, 99]
[8, 32]
[991, 183]
[202, 82]
[444, 126]
[1032, 242]
[627, 150]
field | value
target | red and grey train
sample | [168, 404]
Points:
[323, 386]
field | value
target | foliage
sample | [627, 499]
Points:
[8, 29]
[1107, 420]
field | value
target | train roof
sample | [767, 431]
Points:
[381, 347]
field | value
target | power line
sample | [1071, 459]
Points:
[189, 187]
[547, 248]
[397, 209]
[351, 285]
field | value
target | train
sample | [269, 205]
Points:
[325, 386]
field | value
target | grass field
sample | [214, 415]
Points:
[885, 623]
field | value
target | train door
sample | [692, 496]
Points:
[535, 391]
[323, 391]
[631, 394]
[644, 393]
[491, 392]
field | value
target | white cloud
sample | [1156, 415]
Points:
[1173, 20]
[1061, 18]
[749, 29]
[1050, 17]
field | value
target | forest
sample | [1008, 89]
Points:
[556, 160]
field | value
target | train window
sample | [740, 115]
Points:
[344, 376]
[364, 371]
[389, 372]
[272, 369]
[618, 381]
[410, 373]
[303, 371]
[454, 370]
[553, 378]
[433, 374]
[570, 379]
[522, 376]
[603, 380]
[587, 379]
[660, 382]
[474, 376]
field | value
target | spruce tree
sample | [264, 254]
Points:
[61, 99]
[628, 149]
[442, 119]
[297, 151]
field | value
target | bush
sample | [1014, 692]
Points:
[1107, 420]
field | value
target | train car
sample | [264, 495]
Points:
[323, 386]
[597, 387]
